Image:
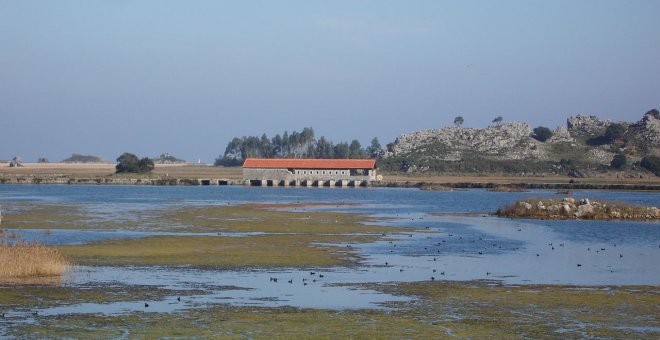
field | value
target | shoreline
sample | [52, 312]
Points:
[191, 181]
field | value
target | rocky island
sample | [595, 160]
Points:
[570, 208]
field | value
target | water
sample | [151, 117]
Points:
[450, 247]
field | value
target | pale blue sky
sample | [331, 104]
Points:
[184, 77]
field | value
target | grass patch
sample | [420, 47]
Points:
[271, 218]
[485, 309]
[216, 251]
[442, 309]
[236, 322]
[28, 297]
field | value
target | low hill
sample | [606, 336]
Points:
[585, 146]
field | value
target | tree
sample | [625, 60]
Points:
[542, 133]
[324, 148]
[127, 162]
[355, 150]
[619, 161]
[146, 165]
[651, 163]
[342, 150]
[130, 163]
[498, 120]
[458, 121]
[614, 132]
[375, 150]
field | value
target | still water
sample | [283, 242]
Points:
[462, 246]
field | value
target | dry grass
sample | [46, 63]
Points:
[104, 170]
[23, 260]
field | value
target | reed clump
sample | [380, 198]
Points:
[27, 260]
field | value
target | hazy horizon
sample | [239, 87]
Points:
[152, 77]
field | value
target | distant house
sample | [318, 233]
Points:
[309, 172]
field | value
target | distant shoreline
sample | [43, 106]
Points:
[582, 185]
[201, 174]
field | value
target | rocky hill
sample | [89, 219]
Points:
[585, 146]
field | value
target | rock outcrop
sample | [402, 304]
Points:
[561, 135]
[580, 148]
[587, 125]
[506, 141]
[649, 127]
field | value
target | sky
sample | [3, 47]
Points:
[185, 77]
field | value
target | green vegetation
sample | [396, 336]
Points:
[130, 163]
[458, 120]
[295, 145]
[78, 158]
[651, 163]
[619, 161]
[294, 239]
[17, 297]
[542, 133]
[613, 132]
[263, 251]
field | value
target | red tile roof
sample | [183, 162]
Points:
[285, 163]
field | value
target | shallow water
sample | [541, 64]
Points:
[447, 248]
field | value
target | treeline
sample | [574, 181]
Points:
[78, 158]
[295, 145]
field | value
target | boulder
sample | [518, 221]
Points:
[561, 135]
[589, 125]
[584, 201]
[525, 205]
[540, 205]
[584, 210]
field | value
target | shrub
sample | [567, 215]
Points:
[614, 132]
[542, 133]
[619, 161]
[651, 163]
[130, 163]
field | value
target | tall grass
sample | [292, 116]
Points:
[27, 260]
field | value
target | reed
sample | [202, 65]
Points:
[27, 260]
